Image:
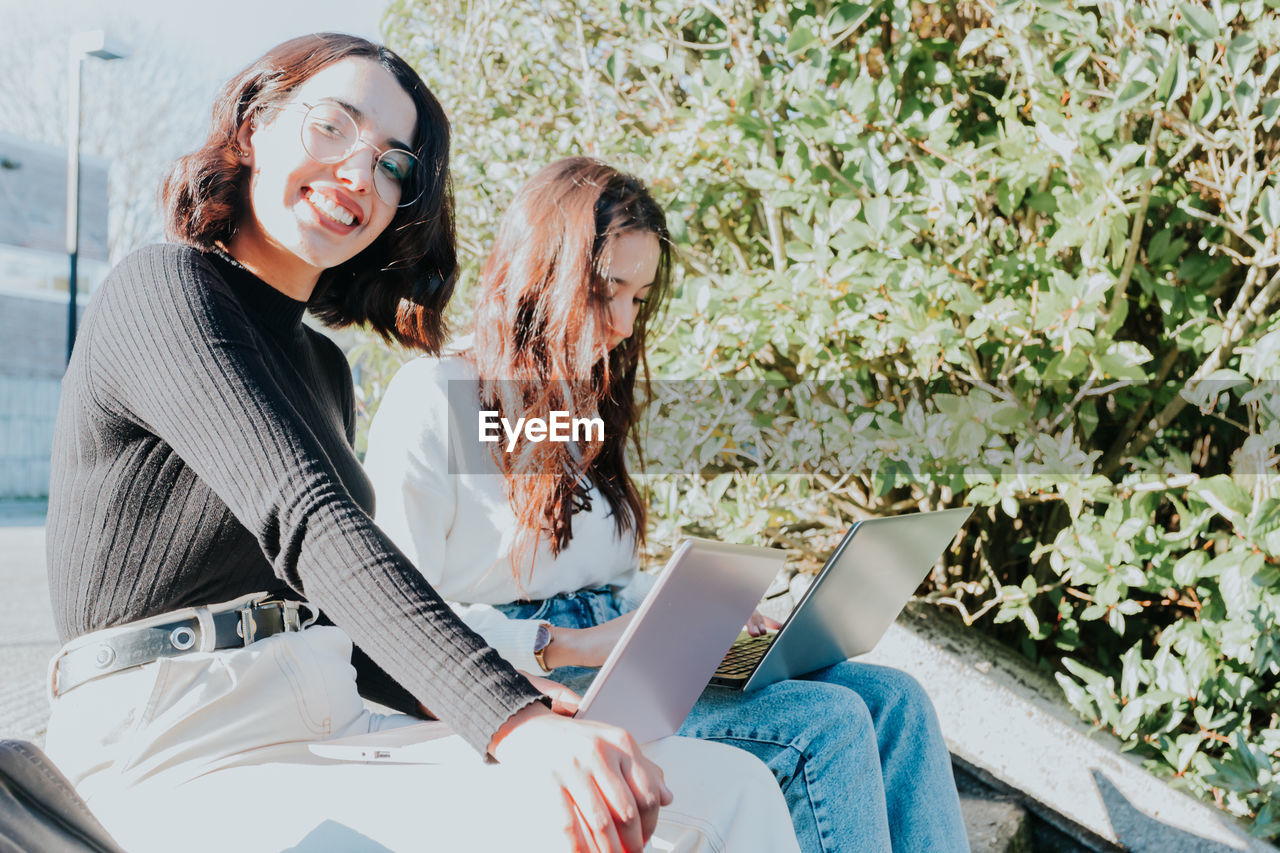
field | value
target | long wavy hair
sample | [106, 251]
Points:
[401, 282]
[541, 343]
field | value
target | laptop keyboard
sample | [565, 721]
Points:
[744, 655]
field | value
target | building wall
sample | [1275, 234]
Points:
[33, 198]
[27, 410]
[32, 358]
[33, 298]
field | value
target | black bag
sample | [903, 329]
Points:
[39, 810]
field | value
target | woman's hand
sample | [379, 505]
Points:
[563, 700]
[585, 646]
[760, 624]
[611, 792]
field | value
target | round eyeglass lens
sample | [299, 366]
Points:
[396, 177]
[330, 134]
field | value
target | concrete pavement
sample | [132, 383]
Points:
[27, 635]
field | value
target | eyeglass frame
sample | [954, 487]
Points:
[357, 142]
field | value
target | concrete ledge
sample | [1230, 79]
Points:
[996, 825]
[1009, 724]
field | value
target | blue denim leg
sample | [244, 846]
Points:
[920, 791]
[584, 608]
[820, 743]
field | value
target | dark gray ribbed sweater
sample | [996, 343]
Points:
[203, 452]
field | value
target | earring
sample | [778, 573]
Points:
[242, 155]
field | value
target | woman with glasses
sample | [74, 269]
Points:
[537, 546]
[225, 598]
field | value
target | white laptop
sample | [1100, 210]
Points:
[654, 674]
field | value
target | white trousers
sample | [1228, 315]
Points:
[209, 751]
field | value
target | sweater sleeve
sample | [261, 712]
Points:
[176, 355]
[512, 638]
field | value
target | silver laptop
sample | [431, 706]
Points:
[656, 671]
[851, 603]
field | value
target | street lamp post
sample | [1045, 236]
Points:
[91, 43]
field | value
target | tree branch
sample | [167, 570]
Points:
[586, 82]
[1111, 322]
[1244, 236]
[1237, 324]
[772, 215]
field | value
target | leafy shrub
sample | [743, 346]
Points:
[1028, 253]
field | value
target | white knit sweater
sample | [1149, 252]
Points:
[458, 528]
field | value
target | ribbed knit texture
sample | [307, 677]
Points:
[203, 452]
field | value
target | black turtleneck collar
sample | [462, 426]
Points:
[275, 310]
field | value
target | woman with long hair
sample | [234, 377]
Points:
[224, 595]
[537, 543]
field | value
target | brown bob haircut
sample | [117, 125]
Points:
[540, 345]
[400, 284]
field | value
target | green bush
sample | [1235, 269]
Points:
[1026, 253]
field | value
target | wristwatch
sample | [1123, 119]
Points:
[541, 641]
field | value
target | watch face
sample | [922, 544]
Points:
[542, 639]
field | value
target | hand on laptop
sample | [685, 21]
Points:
[759, 624]
[585, 646]
[563, 700]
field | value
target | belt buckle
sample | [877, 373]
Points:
[289, 615]
[289, 618]
[248, 626]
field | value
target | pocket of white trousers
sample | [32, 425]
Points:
[317, 664]
[307, 684]
[175, 726]
[214, 709]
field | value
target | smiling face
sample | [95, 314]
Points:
[633, 266]
[305, 216]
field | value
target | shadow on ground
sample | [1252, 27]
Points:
[332, 835]
[1139, 831]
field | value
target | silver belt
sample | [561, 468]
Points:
[124, 647]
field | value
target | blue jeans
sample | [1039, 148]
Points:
[855, 747]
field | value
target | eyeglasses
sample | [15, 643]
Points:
[330, 135]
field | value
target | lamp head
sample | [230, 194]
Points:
[97, 43]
